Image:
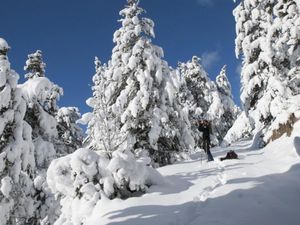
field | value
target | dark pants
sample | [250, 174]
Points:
[206, 147]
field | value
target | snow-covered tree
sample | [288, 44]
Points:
[268, 39]
[41, 97]
[209, 100]
[17, 164]
[198, 83]
[103, 131]
[227, 107]
[140, 89]
[189, 105]
[206, 96]
[35, 65]
[69, 132]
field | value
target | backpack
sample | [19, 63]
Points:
[230, 155]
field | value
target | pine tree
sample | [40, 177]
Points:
[268, 37]
[227, 106]
[41, 97]
[35, 65]
[69, 132]
[103, 126]
[189, 106]
[17, 163]
[198, 83]
[140, 89]
[212, 101]
[205, 95]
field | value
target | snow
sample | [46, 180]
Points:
[6, 186]
[85, 176]
[3, 44]
[143, 116]
[240, 129]
[261, 187]
[37, 88]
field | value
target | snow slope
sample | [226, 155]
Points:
[261, 187]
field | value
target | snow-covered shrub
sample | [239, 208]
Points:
[17, 164]
[84, 177]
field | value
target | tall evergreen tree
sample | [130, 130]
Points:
[17, 163]
[41, 97]
[268, 38]
[35, 65]
[140, 89]
[70, 133]
[227, 107]
[103, 131]
[212, 101]
[206, 97]
[198, 83]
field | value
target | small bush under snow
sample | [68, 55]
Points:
[86, 176]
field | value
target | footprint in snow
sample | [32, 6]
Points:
[221, 179]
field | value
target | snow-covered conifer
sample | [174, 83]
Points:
[103, 131]
[69, 132]
[17, 163]
[213, 101]
[140, 90]
[198, 83]
[206, 97]
[35, 65]
[188, 104]
[41, 97]
[267, 36]
[229, 109]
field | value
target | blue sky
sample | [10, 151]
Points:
[71, 32]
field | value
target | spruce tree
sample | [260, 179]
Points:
[41, 97]
[267, 37]
[69, 132]
[229, 109]
[103, 131]
[17, 164]
[205, 95]
[35, 65]
[198, 83]
[140, 89]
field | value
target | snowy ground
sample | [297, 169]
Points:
[262, 187]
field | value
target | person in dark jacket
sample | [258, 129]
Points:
[204, 127]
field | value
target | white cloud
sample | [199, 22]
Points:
[209, 58]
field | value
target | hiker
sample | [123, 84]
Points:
[204, 127]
